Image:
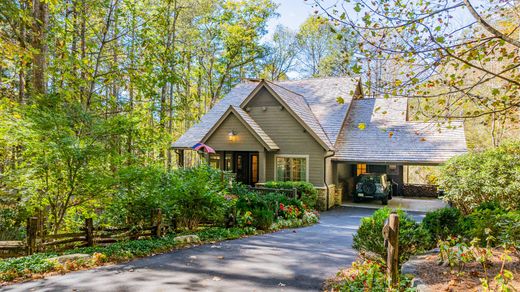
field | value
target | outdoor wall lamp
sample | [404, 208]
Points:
[232, 136]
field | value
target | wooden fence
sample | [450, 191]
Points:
[39, 241]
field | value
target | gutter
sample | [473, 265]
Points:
[325, 177]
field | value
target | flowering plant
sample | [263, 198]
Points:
[245, 219]
[290, 211]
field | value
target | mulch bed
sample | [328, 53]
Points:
[439, 277]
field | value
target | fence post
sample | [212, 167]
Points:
[295, 193]
[391, 235]
[32, 229]
[158, 225]
[89, 231]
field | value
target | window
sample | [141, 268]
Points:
[291, 168]
[361, 168]
[214, 160]
[254, 168]
[228, 161]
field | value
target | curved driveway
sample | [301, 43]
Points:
[288, 260]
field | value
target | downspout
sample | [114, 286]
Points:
[325, 176]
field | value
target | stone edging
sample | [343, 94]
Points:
[410, 268]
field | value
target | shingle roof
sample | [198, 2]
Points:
[386, 138]
[265, 139]
[196, 133]
[319, 94]
[376, 131]
[297, 103]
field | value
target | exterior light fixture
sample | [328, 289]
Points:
[232, 136]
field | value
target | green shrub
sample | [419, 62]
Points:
[306, 191]
[239, 189]
[443, 223]
[263, 218]
[251, 201]
[412, 237]
[366, 276]
[509, 229]
[492, 225]
[138, 192]
[197, 195]
[475, 178]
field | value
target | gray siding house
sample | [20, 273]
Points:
[297, 130]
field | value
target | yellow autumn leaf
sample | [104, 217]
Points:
[390, 134]
[361, 126]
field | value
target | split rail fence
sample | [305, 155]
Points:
[38, 240]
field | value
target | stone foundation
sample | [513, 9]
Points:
[335, 194]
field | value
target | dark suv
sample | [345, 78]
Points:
[373, 186]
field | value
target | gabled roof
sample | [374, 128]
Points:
[197, 132]
[386, 137]
[321, 95]
[298, 108]
[249, 123]
[314, 101]
[376, 131]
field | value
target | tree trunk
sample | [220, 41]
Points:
[39, 28]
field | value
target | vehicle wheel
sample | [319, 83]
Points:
[384, 201]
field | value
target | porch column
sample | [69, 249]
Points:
[261, 166]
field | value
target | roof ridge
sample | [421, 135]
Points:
[310, 110]
[315, 78]
[268, 81]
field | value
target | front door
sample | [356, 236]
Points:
[246, 167]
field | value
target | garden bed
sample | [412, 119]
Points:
[439, 277]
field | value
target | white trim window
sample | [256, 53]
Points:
[291, 167]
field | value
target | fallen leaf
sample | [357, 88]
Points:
[390, 134]
[361, 126]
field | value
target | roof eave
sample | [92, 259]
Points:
[251, 130]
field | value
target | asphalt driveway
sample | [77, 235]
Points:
[289, 260]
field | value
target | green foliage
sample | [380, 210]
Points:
[443, 223]
[308, 218]
[475, 178]
[413, 238]
[263, 218]
[251, 201]
[197, 195]
[493, 225]
[367, 276]
[307, 193]
[16, 267]
[139, 190]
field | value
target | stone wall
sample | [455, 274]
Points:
[335, 193]
[420, 190]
